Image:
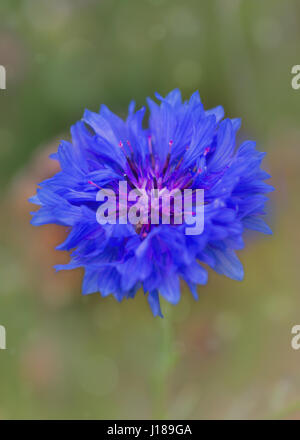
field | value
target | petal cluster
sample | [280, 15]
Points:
[183, 146]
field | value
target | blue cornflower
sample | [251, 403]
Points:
[184, 146]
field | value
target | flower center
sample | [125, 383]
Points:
[153, 181]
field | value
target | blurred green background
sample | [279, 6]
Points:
[226, 356]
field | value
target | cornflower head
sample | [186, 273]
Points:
[185, 149]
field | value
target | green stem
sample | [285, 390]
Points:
[166, 358]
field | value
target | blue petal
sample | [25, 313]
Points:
[218, 112]
[227, 263]
[170, 288]
[173, 98]
[257, 224]
[225, 146]
[153, 300]
[90, 282]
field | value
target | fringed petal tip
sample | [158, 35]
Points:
[153, 300]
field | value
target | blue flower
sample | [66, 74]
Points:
[184, 146]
